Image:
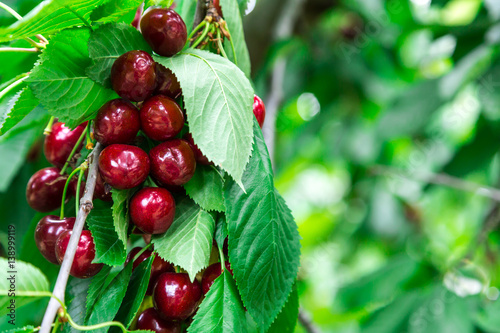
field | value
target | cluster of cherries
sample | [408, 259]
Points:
[147, 109]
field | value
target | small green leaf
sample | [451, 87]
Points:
[222, 310]
[218, 100]
[107, 43]
[287, 319]
[19, 107]
[97, 285]
[206, 188]
[120, 213]
[60, 83]
[188, 241]
[19, 277]
[109, 248]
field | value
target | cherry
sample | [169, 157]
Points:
[133, 75]
[85, 252]
[175, 297]
[60, 142]
[161, 118]
[101, 192]
[137, 17]
[150, 320]
[164, 30]
[45, 189]
[211, 273]
[166, 83]
[117, 121]
[259, 110]
[46, 233]
[123, 166]
[172, 162]
[198, 155]
[152, 210]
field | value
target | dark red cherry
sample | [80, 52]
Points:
[198, 155]
[152, 210]
[161, 118]
[133, 75]
[164, 30]
[137, 17]
[47, 231]
[117, 121]
[211, 273]
[82, 267]
[175, 297]
[45, 189]
[101, 192]
[150, 320]
[60, 142]
[123, 166]
[172, 162]
[259, 110]
[166, 83]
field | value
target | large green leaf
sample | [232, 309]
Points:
[113, 10]
[120, 213]
[97, 285]
[19, 277]
[107, 43]
[218, 100]
[188, 241]
[240, 56]
[264, 244]
[60, 83]
[222, 310]
[109, 248]
[76, 295]
[206, 188]
[187, 10]
[19, 107]
[287, 319]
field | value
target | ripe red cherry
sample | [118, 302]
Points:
[152, 210]
[60, 142]
[47, 231]
[198, 155]
[166, 83]
[137, 17]
[117, 121]
[85, 252]
[259, 110]
[175, 297]
[150, 320]
[164, 30]
[100, 191]
[172, 162]
[123, 166]
[133, 75]
[45, 189]
[161, 118]
[211, 273]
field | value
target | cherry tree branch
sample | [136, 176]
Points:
[307, 323]
[85, 208]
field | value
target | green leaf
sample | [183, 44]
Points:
[76, 295]
[206, 188]
[264, 244]
[287, 319]
[187, 10]
[109, 248]
[188, 241]
[97, 285]
[50, 17]
[120, 213]
[107, 43]
[26, 278]
[113, 10]
[60, 83]
[221, 310]
[221, 230]
[234, 22]
[135, 293]
[218, 100]
[19, 107]
[104, 309]
[161, 3]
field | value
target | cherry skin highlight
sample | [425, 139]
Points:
[82, 267]
[166, 83]
[152, 210]
[161, 118]
[211, 273]
[151, 320]
[123, 166]
[133, 76]
[60, 142]
[259, 110]
[172, 162]
[175, 297]
[47, 231]
[164, 30]
[117, 121]
[45, 189]
[198, 155]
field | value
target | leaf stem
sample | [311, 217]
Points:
[48, 128]
[202, 37]
[219, 43]
[222, 259]
[11, 11]
[68, 181]
[14, 84]
[141, 251]
[78, 187]
[75, 148]
[232, 45]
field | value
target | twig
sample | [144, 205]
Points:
[201, 12]
[307, 323]
[85, 208]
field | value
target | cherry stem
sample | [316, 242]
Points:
[222, 259]
[78, 187]
[202, 37]
[90, 144]
[68, 181]
[75, 148]
[191, 35]
[141, 252]
[232, 44]
[219, 43]
[48, 129]
[11, 11]
[19, 49]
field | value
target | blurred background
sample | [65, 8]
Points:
[384, 129]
